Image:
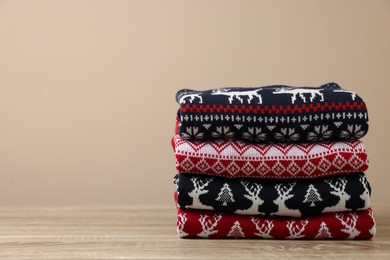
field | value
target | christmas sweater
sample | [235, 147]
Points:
[272, 114]
[234, 158]
[248, 196]
[211, 224]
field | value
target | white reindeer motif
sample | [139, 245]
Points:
[263, 227]
[238, 94]
[353, 94]
[296, 228]
[349, 224]
[283, 195]
[191, 97]
[198, 190]
[373, 229]
[253, 196]
[208, 225]
[181, 221]
[338, 186]
[365, 196]
[295, 92]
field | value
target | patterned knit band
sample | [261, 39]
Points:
[248, 196]
[211, 224]
[232, 158]
[274, 113]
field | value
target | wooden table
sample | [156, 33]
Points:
[149, 232]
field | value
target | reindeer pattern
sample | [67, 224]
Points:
[274, 198]
[257, 95]
[247, 95]
[190, 98]
[239, 95]
[300, 92]
[341, 225]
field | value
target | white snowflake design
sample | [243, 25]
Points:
[222, 133]
[352, 132]
[287, 134]
[254, 134]
[192, 133]
[320, 133]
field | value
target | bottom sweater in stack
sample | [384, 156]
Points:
[212, 224]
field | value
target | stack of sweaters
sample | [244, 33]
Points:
[272, 162]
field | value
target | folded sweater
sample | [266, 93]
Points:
[233, 158]
[211, 224]
[248, 196]
[275, 113]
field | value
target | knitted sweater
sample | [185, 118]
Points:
[233, 158]
[211, 224]
[248, 196]
[272, 114]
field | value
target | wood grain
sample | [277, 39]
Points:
[149, 232]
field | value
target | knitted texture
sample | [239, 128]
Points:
[211, 224]
[248, 196]
[233, 158]
[274, 113]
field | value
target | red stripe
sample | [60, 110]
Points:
[246, 109]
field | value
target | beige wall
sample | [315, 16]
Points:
[87, 88]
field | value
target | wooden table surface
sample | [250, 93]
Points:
[149, 232]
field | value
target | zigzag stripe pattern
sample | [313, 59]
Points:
[234, 158]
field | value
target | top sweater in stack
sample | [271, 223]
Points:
[272, 114]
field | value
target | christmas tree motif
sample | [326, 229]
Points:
[225, 195]
[312, 196]
[323, 232]
[236, 231]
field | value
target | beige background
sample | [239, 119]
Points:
[87, 88]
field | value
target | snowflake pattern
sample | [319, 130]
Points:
[254, 134]
[192, 133]
[222, 133]
[286, 135]
[320, 133]
[352, 132]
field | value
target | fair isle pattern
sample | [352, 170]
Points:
[234, 158]
[290, 198]
[272, 120]
[272, 114]
[212, 224]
